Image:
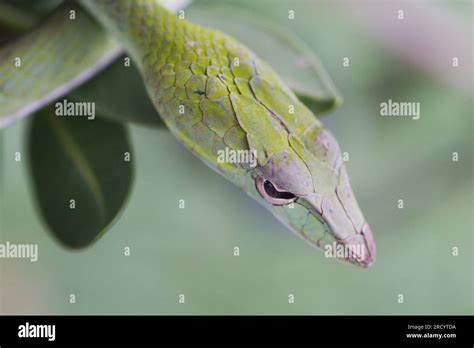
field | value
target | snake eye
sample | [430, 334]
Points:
[272, 194]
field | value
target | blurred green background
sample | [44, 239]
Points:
[190, 251]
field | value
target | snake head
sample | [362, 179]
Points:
[306, 186]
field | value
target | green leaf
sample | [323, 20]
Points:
[34, 8]
[80, 175]
[119, 94]
[15, 19]
[282, 49]
[52, 59]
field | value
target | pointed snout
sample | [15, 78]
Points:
[348, 227]
[362, 247]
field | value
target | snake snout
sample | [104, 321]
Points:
[370, 245]
[362, 247]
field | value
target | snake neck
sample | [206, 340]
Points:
[213, 93]
[148, 31]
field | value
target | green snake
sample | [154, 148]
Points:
[216, 96]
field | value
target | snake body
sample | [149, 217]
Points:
[216, 95]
